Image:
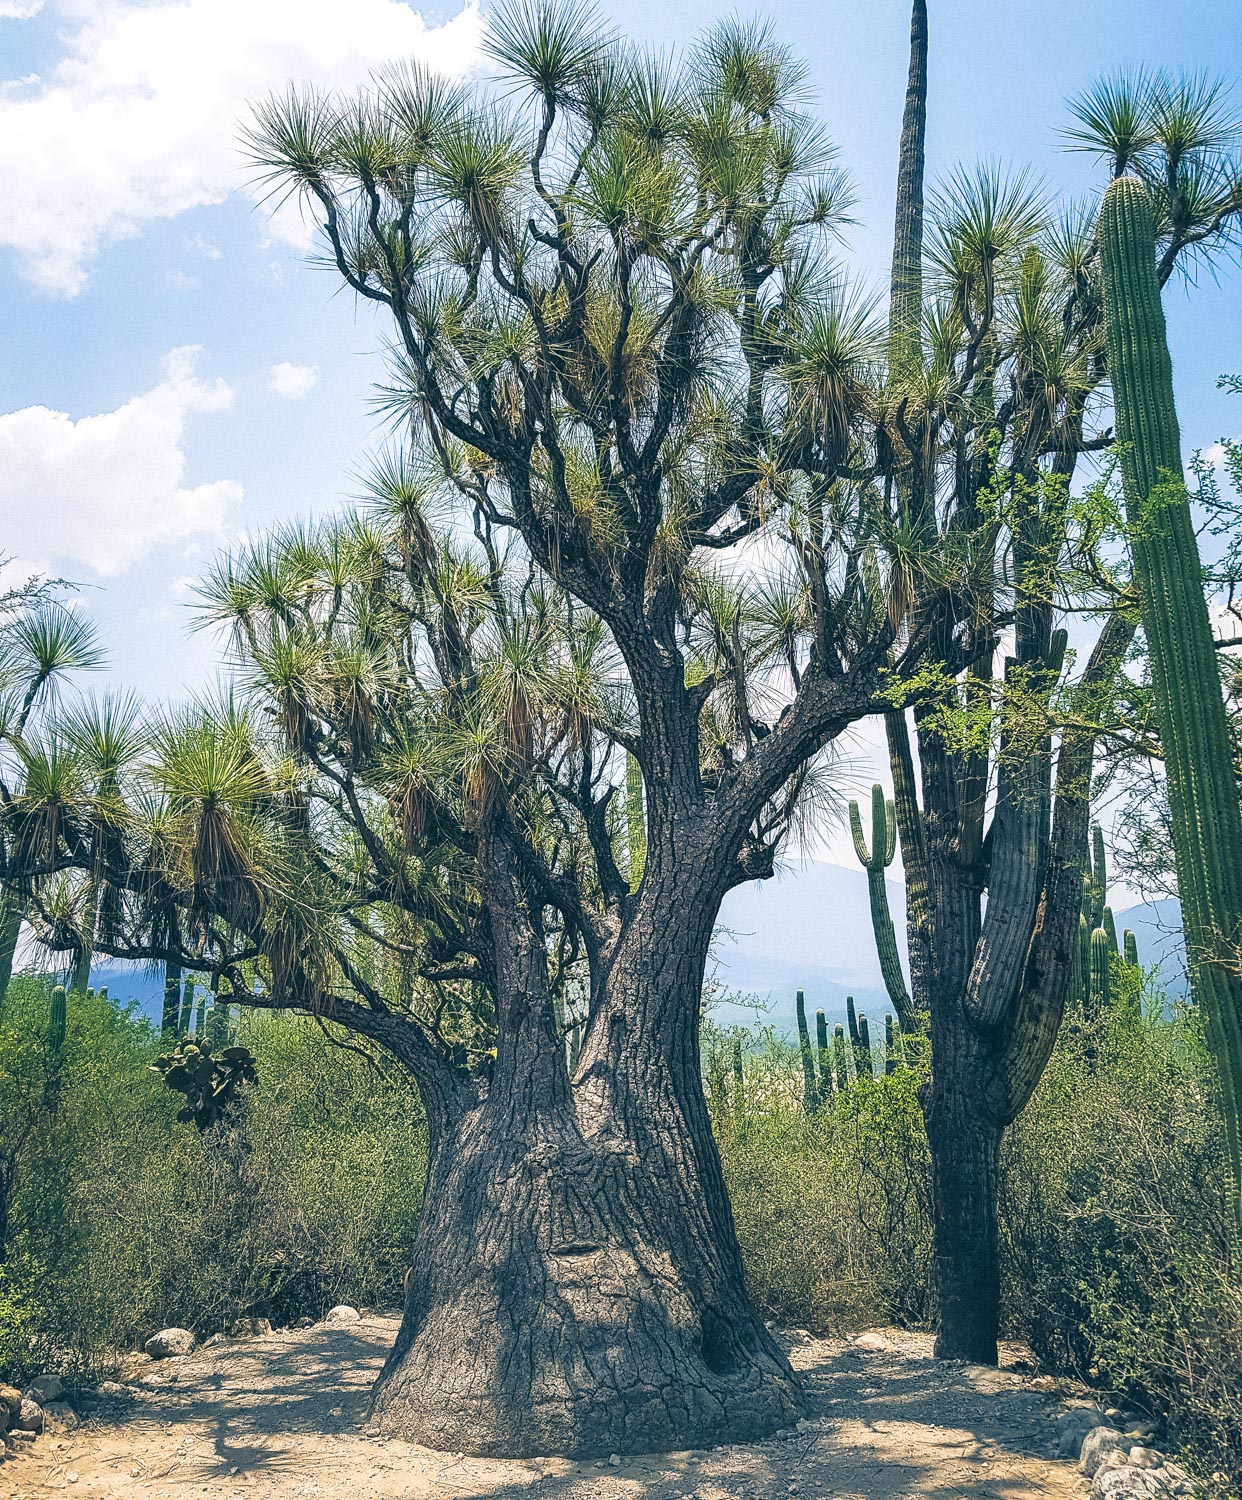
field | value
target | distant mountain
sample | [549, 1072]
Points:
[1158, 927]
[808, 928]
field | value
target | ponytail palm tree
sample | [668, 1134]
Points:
[631, 520]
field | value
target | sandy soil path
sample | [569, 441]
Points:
[283, 1417]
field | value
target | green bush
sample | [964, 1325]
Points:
[121, 1220]
[832, 1210]
[1120, 1258]
[1118, 1261]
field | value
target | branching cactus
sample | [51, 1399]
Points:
[1194, 733]
[875, 860]
[1101, 972]
[810, 1089]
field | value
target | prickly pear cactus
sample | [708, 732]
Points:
[209, 1080]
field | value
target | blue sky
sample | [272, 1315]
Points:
[173, 373]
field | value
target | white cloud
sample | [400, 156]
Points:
[139, 118]
[102, 491]
[292, 381]
[19, 10]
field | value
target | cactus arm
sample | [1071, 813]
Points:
[823, 1057]
[860, 838]
[1108, 923]
[1131, 948]
[1203, 797]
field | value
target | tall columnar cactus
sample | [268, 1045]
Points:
[1203, 794]
[840, 1059]
[1095, 881]
[1108, 923]
[1080, 965]
[864, 1062]
[1101, 972]
[170, 1013]
[875, 860]
[823, 1057]
[810, 1088]
[187, 1007]
[635, 821]
[1131, 948]
[739, 1080]
[56, 1023]
[890, 1046]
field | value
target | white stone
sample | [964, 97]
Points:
[1100, 1443]
[1146, 1458]
[30, 1418]
[168, 1342]
[343, 1313]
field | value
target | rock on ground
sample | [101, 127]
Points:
[169, 1341]
[1100, 1445]
[1130, 1484]
[285, 1419]
[343, 1313]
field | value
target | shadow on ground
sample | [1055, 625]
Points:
[284, 1416]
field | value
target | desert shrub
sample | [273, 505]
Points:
[1118, 1243]
[832, 1210]
[123, 1220]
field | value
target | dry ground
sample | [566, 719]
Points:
[283, 1416]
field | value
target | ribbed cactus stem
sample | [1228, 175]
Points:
[823, 1056]
[1080, 964]
[875, 860]
[1101, 971]
[851, 1016]
[187, 1007]
[1108, 923]
[172, 998]
[890, 1052]
[57, 1022]
[864, 1064]
[840, 1056]
[1098, 879]
[810, 1090]
[635, 820]
[1194, 733]
[1131, 948]
[739, 1078]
